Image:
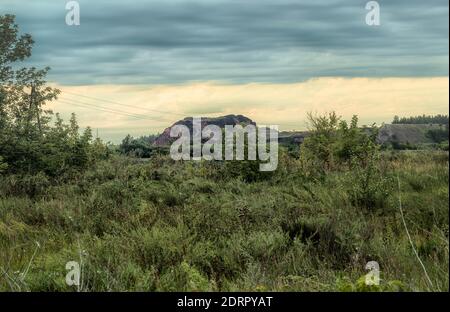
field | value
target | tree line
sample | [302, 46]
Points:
[423, 119]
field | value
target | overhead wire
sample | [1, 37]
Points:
[109, 110]
[122, 104]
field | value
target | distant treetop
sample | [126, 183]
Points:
[424, 119]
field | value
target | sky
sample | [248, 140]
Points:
[138, 66]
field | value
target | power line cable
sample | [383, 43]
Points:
[104, 109]
[122, 104]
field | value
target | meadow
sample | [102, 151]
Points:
[164, 225]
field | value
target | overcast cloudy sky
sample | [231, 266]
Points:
[235, 41]
[138, 45]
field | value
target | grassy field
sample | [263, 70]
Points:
[163, 225]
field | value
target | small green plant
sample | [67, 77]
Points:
[360, 285]
[185, 278]
[368, 186]
[3, 165]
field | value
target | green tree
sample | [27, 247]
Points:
[28, 142]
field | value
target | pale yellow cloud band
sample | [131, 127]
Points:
[372, 99]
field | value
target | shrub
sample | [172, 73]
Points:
[25, 185]
[369, 186]
[333, 143]
[184, 277]
[3, 165]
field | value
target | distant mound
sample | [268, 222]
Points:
[164, 138]
[408, 133]
[388, 133]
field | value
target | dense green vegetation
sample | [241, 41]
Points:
[29, 142]
[141, 147]
[170, 225]
[438, 135]
[137, 220]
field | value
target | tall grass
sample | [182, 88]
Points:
[163, 225]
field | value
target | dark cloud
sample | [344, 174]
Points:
[234, 41]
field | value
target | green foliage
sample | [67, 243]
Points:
[424, 119]
[443, 146]
[334, 143]
[438, 135]
[175, 226]
[402, 146]
[369, 186]
[186, 276]
[361, 286]
[3, 165]
[140, 147]
[24, 184]
[28, 143]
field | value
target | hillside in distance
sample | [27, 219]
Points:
[388, 133]
[409, 133]
[164, 138]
